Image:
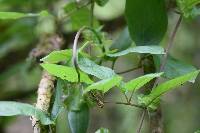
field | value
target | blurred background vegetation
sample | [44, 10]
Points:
[19, 75]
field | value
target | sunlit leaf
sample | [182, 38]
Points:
[189, 8]
[140, 49]
[102, 130]
[104, 85]
[169, 85]
[58, 56]
[15, 108]
[66, 73]
[137, 83]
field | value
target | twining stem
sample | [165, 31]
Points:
[75, 53]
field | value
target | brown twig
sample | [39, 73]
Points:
[170, 44]
[124, 103]
[141, 121]
[129, 70]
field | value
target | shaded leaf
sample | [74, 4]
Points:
[169, 85]
[58, 56]
[66, 73]
[90, 67]
[137, 83]
[123, 41]
[147, 21]
[173, 67]
[58, 104]
[140, 49]
[14, 108]
[101, 2]
[104, 85]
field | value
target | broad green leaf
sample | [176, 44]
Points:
[173, 67]
[66, 73]
[137, 83]
[189, 8]
[140, 49]
[90, 67]
[17, 15]
[122, 42]
[58, 104]
[169, 85]
[147, 21]
[58, 56]
[14, 108]
[104, 85]
[102, 130]
[101, 2]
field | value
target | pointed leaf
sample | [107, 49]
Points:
[173, 67]
[169, 85]
[58, 104]
[66, 73]
[147, 21]
[58, 56]
[17, 15]
[104, 85]
[123, 41]
[14, 108]
[90, 67]
[137, 83]
[140, 49]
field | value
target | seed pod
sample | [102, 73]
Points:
[79, 119]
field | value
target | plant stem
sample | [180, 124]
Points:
[169, 46]
[124, 103]
[129, 70]
[141, 121]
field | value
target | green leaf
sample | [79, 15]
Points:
[102, 130]
[104, 85]
[14, 108]
[169, 85]
[140, 49]
[147, 21]
[58, 104]
[90, 67]
[79, 17]
[189, 8]
[173, 67]
[58, 56]
[66, 73]
[101, 2]
[122, 42]
[137, 83]
[17, 15]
